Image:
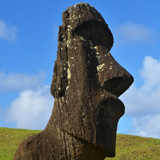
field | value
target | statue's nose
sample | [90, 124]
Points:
[112, 76]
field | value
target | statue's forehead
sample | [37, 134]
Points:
[80, 13]
[87, 22]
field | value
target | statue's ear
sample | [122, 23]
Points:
[54, 81]
[59, 81]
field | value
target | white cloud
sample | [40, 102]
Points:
[143, 103]
[133, 33]
[7, 32]
[147, 126]
[31, 109]
[145, 100]
[150, 74]
[16, 81]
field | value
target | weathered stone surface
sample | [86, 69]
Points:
[86, 84]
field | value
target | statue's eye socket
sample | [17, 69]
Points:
[97, 32]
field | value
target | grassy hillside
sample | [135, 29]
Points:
[136, 148]
[10, 139]
[128, 147]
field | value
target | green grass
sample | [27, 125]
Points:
[136, 148]
[10, 139]
[127, 147]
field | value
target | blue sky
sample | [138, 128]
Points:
[28, 46]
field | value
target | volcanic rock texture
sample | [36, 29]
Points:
[86, 84]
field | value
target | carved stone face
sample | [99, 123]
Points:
[86, 84]
[87, 80]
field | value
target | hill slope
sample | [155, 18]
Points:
[128, 147]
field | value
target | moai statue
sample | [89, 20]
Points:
[86, 84]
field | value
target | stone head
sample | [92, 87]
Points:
[87, 80]
[86, 84]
